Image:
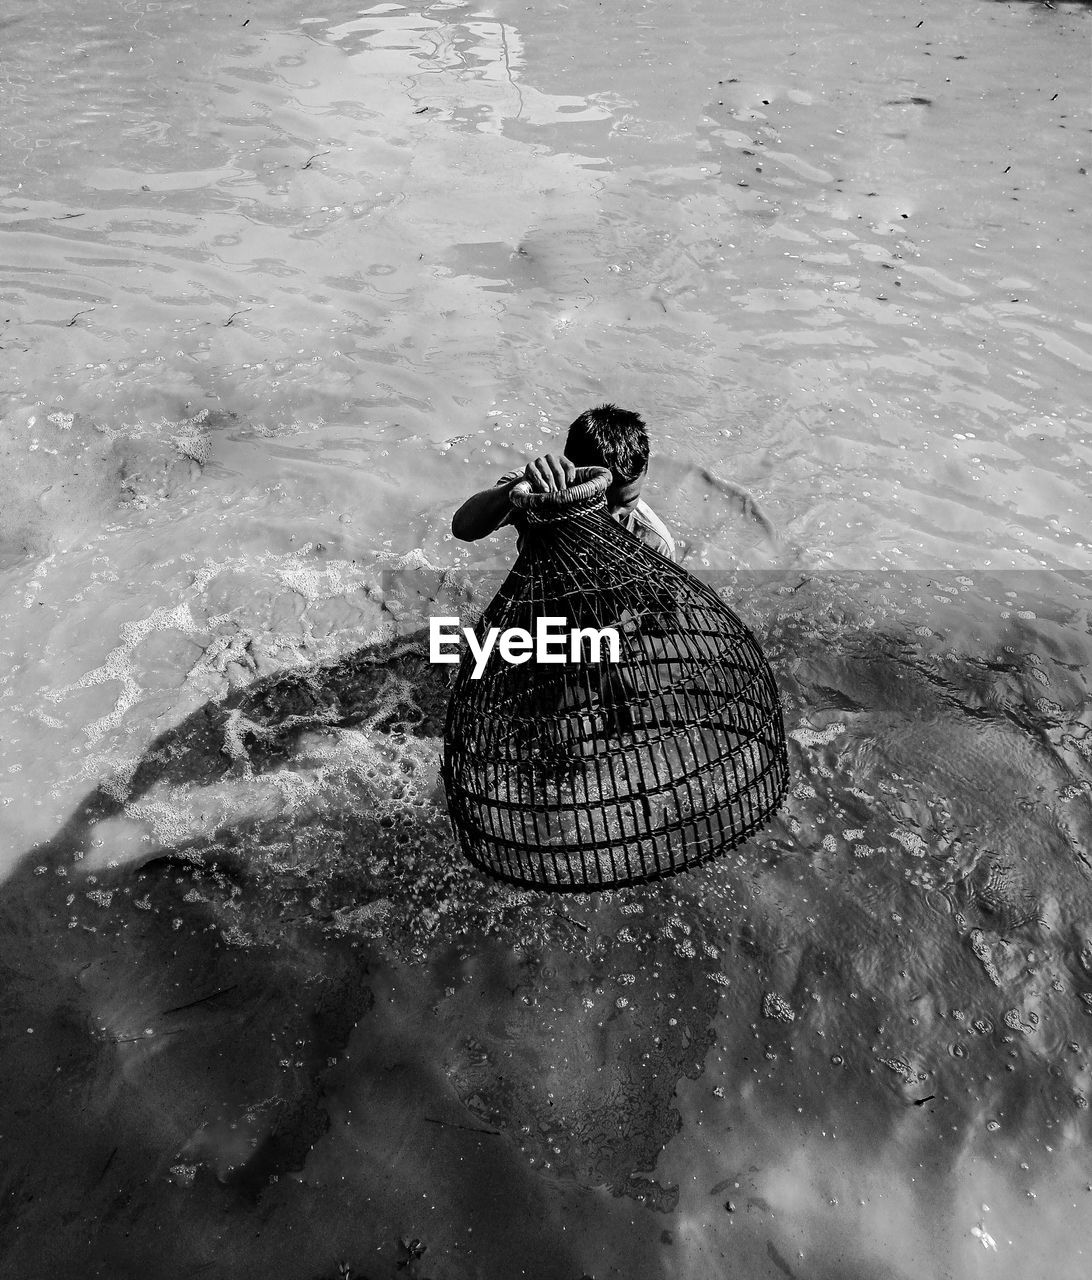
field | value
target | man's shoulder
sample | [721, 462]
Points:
[652, 530]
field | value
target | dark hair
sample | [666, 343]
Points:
[609, 437]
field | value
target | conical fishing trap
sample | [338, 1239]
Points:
[619, 766]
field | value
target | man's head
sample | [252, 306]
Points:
[614, 438]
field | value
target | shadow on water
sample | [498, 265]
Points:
[196, 1015]
[291, 1026]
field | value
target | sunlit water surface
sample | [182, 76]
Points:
[275, 293]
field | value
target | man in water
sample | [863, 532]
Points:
[603, 437]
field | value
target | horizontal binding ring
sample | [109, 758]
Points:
[588, 492]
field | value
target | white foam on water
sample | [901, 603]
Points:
[118, 665]
[808, 737]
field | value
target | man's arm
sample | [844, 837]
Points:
[482, 513]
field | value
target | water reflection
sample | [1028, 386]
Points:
[311, 209]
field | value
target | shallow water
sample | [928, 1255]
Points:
[276, 293]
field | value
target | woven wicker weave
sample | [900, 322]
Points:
[587, 775]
